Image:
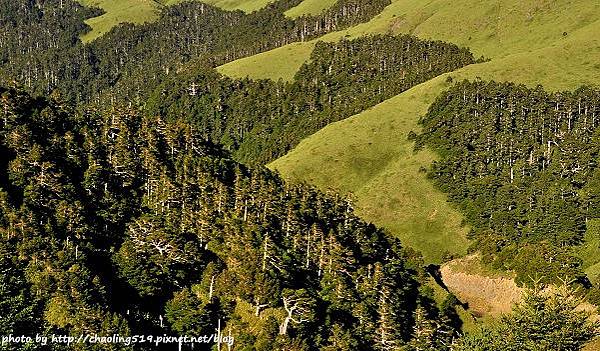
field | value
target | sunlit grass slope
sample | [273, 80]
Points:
[553, 43]
[590, 250]
[118, 11]
[370, 156]
[310, 7]
[244, 5]
[280, 63]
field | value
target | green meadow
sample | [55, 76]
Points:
[310, 7]
[369, 157]
[244, 5]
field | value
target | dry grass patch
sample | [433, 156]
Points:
[485, 295]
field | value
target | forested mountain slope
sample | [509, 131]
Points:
[261, 120]
[131, 60]
[522, 166]
[527, 42]
[116, 223]
[124, 207]
[143, 11]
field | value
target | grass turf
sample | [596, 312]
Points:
[310, 7]
[369, 156]
[590, 250]
[244, 5]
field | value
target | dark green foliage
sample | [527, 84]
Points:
[189, 315]
[19, 311]
[125, 224]
[522, 165]
[51, 224]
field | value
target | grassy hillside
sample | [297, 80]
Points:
[590, 252]
[530, 42]
[280, 63]
[370, 156]
[310, 7]
[495, 30]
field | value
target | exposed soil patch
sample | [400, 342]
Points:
[484, 295]
[593, 346]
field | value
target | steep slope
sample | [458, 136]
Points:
[369, 155]
[529, 42]
[111, 222]
[487, 293]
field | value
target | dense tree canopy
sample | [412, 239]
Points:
[129, 224]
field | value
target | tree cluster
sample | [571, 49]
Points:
[522, 164]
